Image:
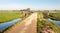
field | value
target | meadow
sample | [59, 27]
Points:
[9, 15]
[55, 16]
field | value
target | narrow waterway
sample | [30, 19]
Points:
[54, 21]
[5, 25]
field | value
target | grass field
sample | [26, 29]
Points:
[9, 15]
[55, 16]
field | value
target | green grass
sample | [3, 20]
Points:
[16, 23]
[43, 22]
[55, 16]
[9, 15]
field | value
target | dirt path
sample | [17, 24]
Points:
[29, 25]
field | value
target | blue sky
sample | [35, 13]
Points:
[33, 4]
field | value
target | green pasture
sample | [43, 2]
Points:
[9, 15]
[55, 16]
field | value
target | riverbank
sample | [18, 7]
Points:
[54, 21]
[47, 26]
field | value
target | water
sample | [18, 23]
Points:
[54, 21]
[5, 25]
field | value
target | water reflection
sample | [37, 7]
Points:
[54, 21]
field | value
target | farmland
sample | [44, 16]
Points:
[9, 15]
[42, 25]
[55, 16]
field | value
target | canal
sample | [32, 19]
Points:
[5, 25]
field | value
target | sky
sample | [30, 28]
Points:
[33, 4]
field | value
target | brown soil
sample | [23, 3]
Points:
[46, 29]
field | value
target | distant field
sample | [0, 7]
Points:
[9, 15]
[55, 16]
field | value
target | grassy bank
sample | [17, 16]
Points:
[54, 27]
[9, 15]
[41, 23]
